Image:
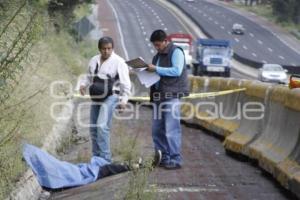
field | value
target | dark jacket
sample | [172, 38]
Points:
[169, 87]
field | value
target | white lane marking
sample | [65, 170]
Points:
[254, 55]
[251, 34]
[229, 32]
[144, 33]
[263, 61]
[185, 189]
[142, 27]
[165, 28]
[245, 47]
[149, 45]
[162, 24]
[237, 40]
[281, 57]
[205, 15]
[120, 31]
[271, 50]
[293, 64]
[259, 41]
[147, 39]
[222, 27]
[210, 18]
[152, 51]
[216, 22]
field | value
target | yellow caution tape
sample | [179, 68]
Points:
[191, 96]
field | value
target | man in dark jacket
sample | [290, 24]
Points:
[169, 63]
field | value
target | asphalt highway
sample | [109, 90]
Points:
[257, 44]
[138, 19]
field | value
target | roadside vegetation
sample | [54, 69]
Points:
[128, 148]
[283, 13]
[36, 48]
[38, 45]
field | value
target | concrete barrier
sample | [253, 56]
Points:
[280, 132]
[207, 109]
[273, 139]
[249, 129]
[228, 108]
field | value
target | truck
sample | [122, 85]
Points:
[184, 41]
[213, 57]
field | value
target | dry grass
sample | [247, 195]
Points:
[30, 103]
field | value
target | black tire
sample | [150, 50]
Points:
[195, 70]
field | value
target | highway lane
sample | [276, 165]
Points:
[138, 18]
[257, 44]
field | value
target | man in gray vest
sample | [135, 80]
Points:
[169, 64]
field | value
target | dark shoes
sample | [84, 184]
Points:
[157, 158]
[172, 165]
[157, 161]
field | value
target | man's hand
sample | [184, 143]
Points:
[82, 90]
[151, 68]
[121, 107]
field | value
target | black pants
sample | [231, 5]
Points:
[112, 169]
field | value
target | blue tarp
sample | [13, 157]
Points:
[53, 173]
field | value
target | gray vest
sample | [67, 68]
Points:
[169, 87]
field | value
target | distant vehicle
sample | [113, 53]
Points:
[213, 57]
[273, 73]
[238, 29]
[184, 41]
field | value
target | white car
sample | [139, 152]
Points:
[273, 73]
[238, 29]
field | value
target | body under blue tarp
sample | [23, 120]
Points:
[53, 173]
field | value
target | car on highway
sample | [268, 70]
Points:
[273, 73]
[238, 29]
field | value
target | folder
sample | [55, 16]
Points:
[137, 63]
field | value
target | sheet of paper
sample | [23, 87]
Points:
[147, 78]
